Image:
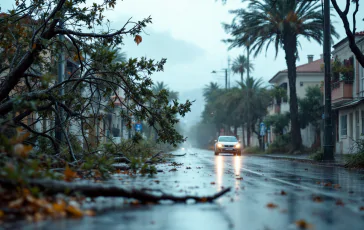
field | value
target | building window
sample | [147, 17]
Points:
[301, 83]
[344, 125]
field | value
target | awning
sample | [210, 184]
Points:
[348, 104]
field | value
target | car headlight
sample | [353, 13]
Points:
[237, 146]
[219, 145]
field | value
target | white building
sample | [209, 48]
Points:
[309, 74]
[347, 96]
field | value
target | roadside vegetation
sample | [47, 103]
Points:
[356, 158]
[65, 97]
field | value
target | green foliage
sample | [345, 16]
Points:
[253, 149]
[202, 135]
[243, 105]
[311, 107]
[356, 158]
[318, 155]
[279, 93]
[278, 122]
[148, 169]
[240, 65]
[102, 162]
[97, 71]
[281, 144]
[279, 23]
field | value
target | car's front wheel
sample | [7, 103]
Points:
[216, 153]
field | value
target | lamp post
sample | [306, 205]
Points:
[328, 135]
[226, 76]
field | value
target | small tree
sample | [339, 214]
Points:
[311, 110]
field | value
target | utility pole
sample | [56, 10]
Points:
[247, 97]
[328, 135]
[61, 70]
[226, 78]
[229, 72]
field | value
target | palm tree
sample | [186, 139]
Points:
[159, 86]
[172, 95]
[279, 93]
[119, 55]
[240, 65]
[209, 92]
[279, 22]
[253, 93]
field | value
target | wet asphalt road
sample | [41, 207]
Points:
[305, 197]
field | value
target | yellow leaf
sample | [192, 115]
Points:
[138, 39]
[2, 213]
[69, 175]
[271, 205]
[74, 211]
[90, 213]
[34, 46]
[59, 206]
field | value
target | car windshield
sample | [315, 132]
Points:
[228, 139]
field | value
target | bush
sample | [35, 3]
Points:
[317, 156]
[356, 159]
[254, 149]
[280, 144]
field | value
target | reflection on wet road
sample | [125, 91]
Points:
[266, 194]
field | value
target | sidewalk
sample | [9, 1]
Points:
[338, 161]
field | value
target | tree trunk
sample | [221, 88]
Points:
[242, 76]
[317, 143]
[290, 48]
[248, 136]
[235, 130]
[243, 135]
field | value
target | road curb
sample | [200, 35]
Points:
[305, 161]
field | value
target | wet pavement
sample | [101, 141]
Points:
[266, 194]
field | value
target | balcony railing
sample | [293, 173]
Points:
[342, 91]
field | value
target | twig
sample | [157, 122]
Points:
[52, 187]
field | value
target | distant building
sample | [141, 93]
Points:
[309, 74]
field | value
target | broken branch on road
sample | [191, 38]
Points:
[52, 187]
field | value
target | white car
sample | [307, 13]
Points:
[227, 144]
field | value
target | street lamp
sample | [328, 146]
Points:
[226, 76]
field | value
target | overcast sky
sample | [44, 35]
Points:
[188, 33]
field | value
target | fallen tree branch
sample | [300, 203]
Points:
[52, 187]
[179, 155]
[154, 156]
[121, 166]
[122, 160]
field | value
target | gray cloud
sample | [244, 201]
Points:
[159, 45]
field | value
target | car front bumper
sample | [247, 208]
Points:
[228, 150]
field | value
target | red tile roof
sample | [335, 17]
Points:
[312, 67]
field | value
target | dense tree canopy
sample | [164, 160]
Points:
[34, 35]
